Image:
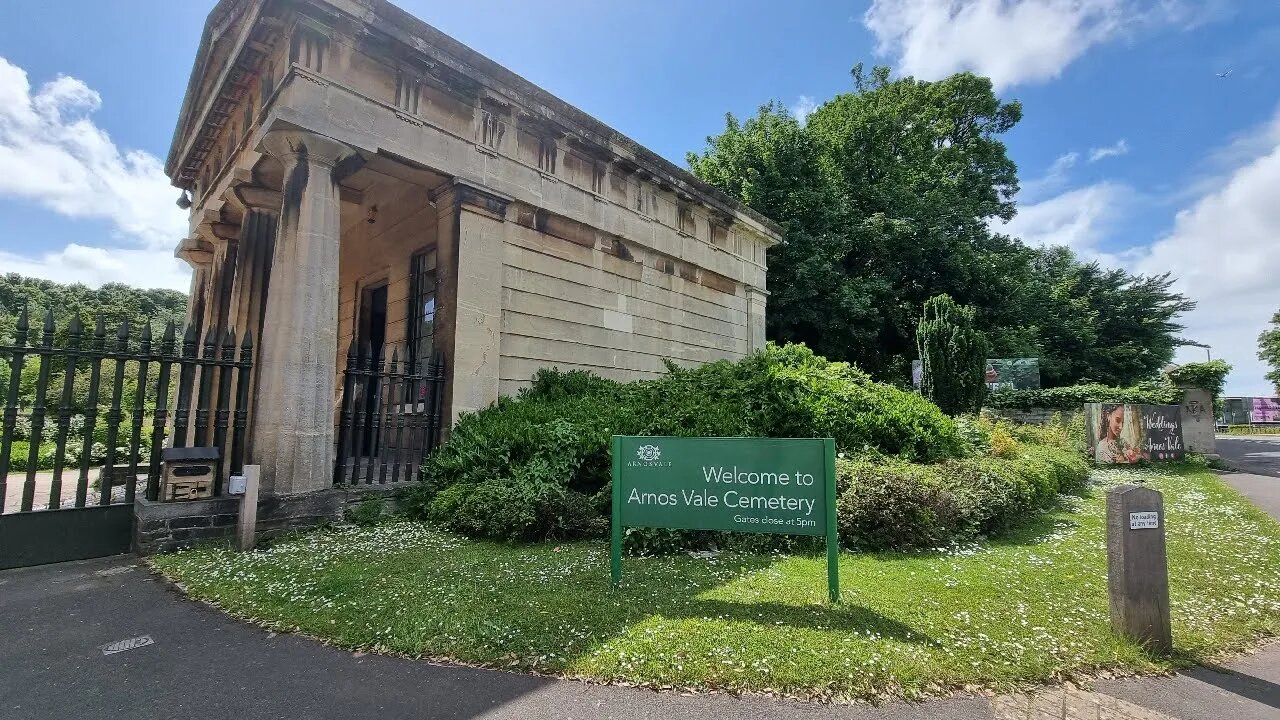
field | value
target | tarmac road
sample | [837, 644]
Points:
[1257, 454]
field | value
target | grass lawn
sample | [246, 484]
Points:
[1029, 607]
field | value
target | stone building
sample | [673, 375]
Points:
[353, 173]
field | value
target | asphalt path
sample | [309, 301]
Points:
[1257, 454]
[201, 663]
[176, 658]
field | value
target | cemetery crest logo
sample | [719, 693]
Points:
[649, 456]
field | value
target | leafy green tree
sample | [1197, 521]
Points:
[1269, 350]
[887, 198]
[1096, 324]
[952, 352]
[771, 163]
[115, 302]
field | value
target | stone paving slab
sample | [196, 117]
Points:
[1070, 704]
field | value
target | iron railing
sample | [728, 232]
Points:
[75, 427]
[390, 417]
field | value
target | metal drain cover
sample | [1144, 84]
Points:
[130, 644]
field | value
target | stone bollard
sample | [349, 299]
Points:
[248, 520]
[1137, 570]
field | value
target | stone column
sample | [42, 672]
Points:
[469, 274]
[224, 270]
[196, 295]
[293, 431]
[199, 255]
[756, 299]
[253, 272]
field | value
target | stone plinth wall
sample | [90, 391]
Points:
[1199, 424]
[168, 526]
[1034, 416]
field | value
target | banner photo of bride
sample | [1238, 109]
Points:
[1125, 434]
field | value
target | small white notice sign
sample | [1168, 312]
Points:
[1144, 520]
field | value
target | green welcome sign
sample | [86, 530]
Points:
[767, 485]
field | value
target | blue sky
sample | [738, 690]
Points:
[1132, 150]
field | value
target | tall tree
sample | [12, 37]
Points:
[770, 163]
[952, 353]
[1269, 350]
[887, 196]
[1099, 324]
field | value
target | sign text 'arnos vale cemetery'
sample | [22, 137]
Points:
[767, 485]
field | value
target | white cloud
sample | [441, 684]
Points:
[1011, 41]
[52, 154]
[1225, 251]
[94, 266]
[1054, 179]
[1079, 218]
[1121, 147]
[1223, 248]
[803, 108]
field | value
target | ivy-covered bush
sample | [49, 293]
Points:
[1073, 397]
[536, 466]
[1206, 375]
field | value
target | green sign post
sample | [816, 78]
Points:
[784, 486]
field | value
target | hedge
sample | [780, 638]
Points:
[1073, 397]
[536, 466]
[1208, 375]
[887, 503]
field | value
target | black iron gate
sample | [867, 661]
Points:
[85, 418]
[390, 417]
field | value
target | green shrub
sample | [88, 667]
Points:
[892, 504]
[1058, 432]
[368, 513]
[548, 447]
[1003, 443]
[1074, 397]
[1206, 375]
[975, 434]
[951, 351]
[20, 449]
[889, 503]
[506, 509]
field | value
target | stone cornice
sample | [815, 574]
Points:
[196, 121]
[441, 61]
[467, 194]
[451, 65]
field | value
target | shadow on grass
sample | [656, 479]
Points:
[849, 619]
